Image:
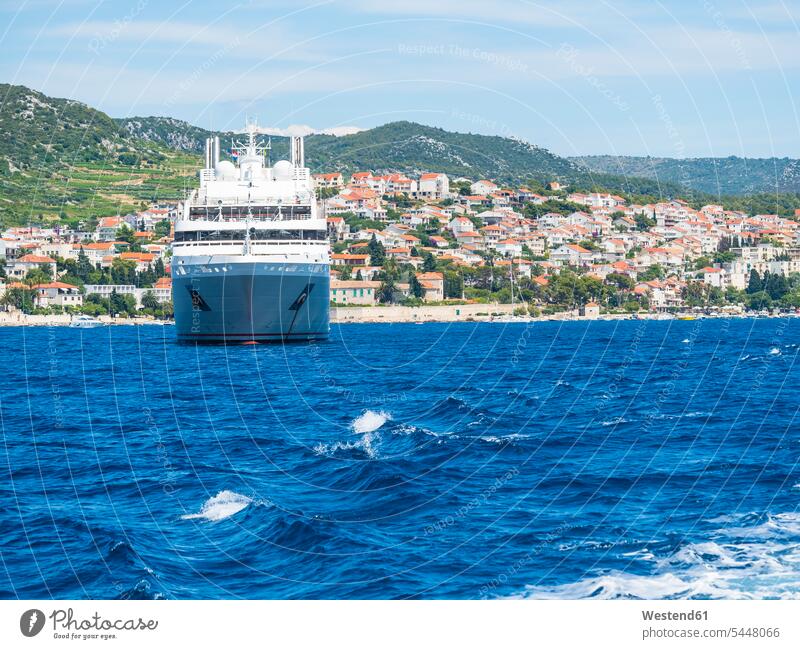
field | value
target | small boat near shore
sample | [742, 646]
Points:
[85, 322]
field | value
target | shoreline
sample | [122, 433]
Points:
[501, 313]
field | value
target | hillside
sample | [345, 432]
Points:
[710, 175]
[61, 159]
[397, 146]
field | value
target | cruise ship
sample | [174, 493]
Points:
[250, 256]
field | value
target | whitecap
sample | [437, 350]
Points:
[369, 421]
[491, 439]
[223, 505]
[685, 341]
[364, 444]
[775, 351]
[366, 425]
[614, 422]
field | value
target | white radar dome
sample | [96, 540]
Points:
[282, 170]
[226, 170]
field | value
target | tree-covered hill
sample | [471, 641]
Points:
[717, 176]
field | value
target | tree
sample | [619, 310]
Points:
[429, 263]
[754, 284]
[386, 291]
[377, 253]
[415, 288]
[643, 222]
[150, 301]
[19, 298]
[123, 271]
[619, 280]
[120, 304]
[162, 229]
[84, 268]
[656, 271]
[40, 275]
[159, 269]
[759, 301]
[702, 262]
[125, 233]
[453, 284]
[776, 285]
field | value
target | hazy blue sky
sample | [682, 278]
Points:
[676, 78]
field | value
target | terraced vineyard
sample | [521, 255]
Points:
[92, 189]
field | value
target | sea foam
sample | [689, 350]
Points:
[760, 564]
[366, 425]
[223, 505]
[369, 421]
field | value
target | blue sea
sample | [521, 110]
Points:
[631, 459]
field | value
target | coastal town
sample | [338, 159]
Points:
[536, 250]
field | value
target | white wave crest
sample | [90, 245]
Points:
[366, 425]
[223, 505]
[369, 421]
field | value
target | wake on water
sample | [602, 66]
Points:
[754, 564]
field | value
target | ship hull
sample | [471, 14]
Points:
[244, 301]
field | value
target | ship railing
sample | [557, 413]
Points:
[201, 200]
[254, 245]
[285, 214]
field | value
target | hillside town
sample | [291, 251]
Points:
[434, 240]
[117, 267]
[551, 250]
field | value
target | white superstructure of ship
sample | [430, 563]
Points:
[250, 256]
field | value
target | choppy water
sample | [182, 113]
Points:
[630, 459]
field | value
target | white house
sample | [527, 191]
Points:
[483, 187]
[572, 254]
[433, 185]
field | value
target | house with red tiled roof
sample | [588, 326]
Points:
[348, 259]
[433, 285]
[483, 187]
[460, 224]
[18, 268]
[141, 259]
[331, 180]
[57, 294]
[337, 227]
[433, 185]
[572, 254]
[509, 247]
[107, 227]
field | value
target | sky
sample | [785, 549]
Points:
[621, 77]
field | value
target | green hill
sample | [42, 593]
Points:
[61, 159]
[710, 175]
[398, 146]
